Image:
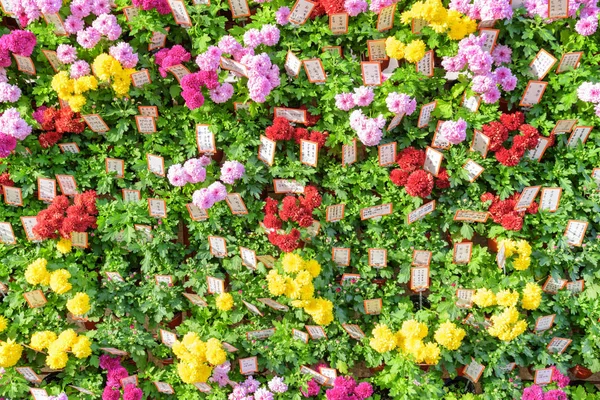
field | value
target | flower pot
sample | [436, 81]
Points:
[379, 281]
[460, 371]
[176, 321]
[424, 367]
[218, 156]
[580, 372]
[492, 245]
[90, 325]
[375, 370]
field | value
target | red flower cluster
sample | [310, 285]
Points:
[311, 119]
[333, 6]
[57, 123]
[498, 132]
[283, 130]
[412, 176]
[503, 211]
[297, 209]
[5, 180]
[318, 10]
[79, 217]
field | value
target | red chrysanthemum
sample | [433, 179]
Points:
[487, 197]
[507, 157]
[512, 221]
[5, 180]
[443, 180]
[272, 222]
[533, 208]
[531, 135]
[289, 209]
[497, 134]
[410, 159]
[280, 130]
[49, 139]
[312, 199]
[399, 177]
[271, 206]
[319, 137]
[512, 121]
[419, 184]
[333, 6]
[304, 218]
[300, 134]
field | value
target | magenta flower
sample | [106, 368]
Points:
[400, 103]
[222, 93]
[79, 68]
[88, 38]
[252, 38]
[123, 52]
[355, 7]
[66, 54]
[344, 101]
[229, 45]
[282, 15]
[9, 93]
[270, 35]
[453, 132]
[73, 24]
[231, 171]
[363, 96]
[194, 170]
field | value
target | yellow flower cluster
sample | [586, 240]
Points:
[224, 302]
[79, 304]
[3, 323]
[64, 246]
[507, 325]
[59, 281]
[440, 19]
[72, 90]
[409, 340]
[297, 285]
[449, 336]
[37, 274]
[412, 52]
[109, 69]
[532, 296]
[487, 298]
[58, 346]
[523, 251]
[10, 353]
[197, 358]
[484, 298]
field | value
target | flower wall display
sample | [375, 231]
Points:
[359, 199]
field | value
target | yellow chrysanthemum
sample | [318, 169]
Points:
[449, 335]
[506, 326]
[521, 263]
[532, 296]
[506, 298]
[10, 353]
[412, 329]
[431, 353]
[383, 339]
[79, 304]
[59, 281]
[3, 323]
[42, 340]
[76, 103]
[67, 339]
[292, 263]
[82, 347]
[414, 51]
[57, 360]
[224, 302]
[276, 283]
[64, 246]
[484, 298]
[193, 372]
[37, 274]
[214, 352]
[321, 310]
[313, 268]
[394, 48]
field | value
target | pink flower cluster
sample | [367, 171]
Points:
[536, 392]
[377, 5]
[588, 13]
[12, 128]
[590, 92]
[9, 93]
[166, 58]
[192, 171]
[369, 130]
[115, 372]
[66, 53]
[123, 52]
[29, 10]
[104, 25]
[79, 68]
[267, 35]
[205, 198]
[400, 103]
[17, 42]
[81, 9]
[345, 388]
[484, 10]
[362, 97]
[220, 374]
[192, 85]
[231, 171]
[479, 62]
[162, 6]
[250, 390]
[453, 131]
[355, 7]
